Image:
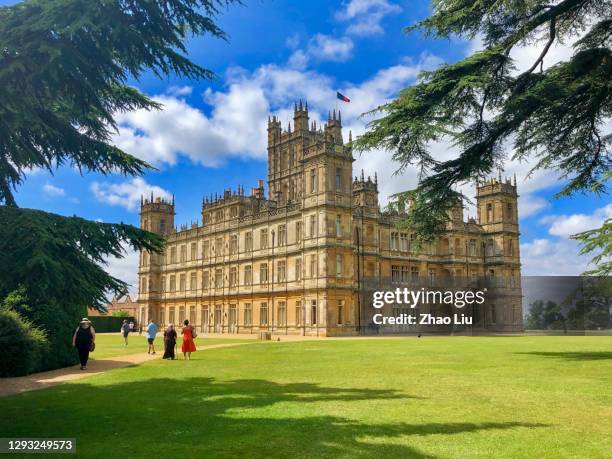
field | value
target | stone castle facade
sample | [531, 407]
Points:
[301, 260]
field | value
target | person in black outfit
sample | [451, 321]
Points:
[169, 342]
[83, 339]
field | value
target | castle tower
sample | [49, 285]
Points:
[496, 201]
[157, 216]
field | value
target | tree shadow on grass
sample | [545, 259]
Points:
[205, 417]
[574, 356]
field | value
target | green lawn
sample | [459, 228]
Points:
[112, 344]
[432, 397]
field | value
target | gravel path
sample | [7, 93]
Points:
[35, 381]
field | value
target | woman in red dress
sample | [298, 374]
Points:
[188, 345]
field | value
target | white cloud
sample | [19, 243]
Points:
[566, 225]
[179, 90]
[126, 194]
[53, 191]
[546, 257]
[365, 16]
[125, 269]
[328, 48]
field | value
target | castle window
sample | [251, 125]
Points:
[248, 241]
[172, 315]
[510, 248]
[338, 179]
[298, 231]
[489, 213]
[248, 314]
[218, 246]
[509, 213]
[432, 277]
[206, 279]
[183, 253]
[163, 283]
[143, 286]
[194, 254]
[282, 313]
[193, 282]
[181, 314]
[206, 219]
[173, 283]
[313, 225]
[233, 279]
[218, 278]
[234, 211]
[145, 259]
[192, 315]
[219, 215]
[340, 312]
[145, 225]
[313, 265]
[204, 317]
[338, 226]
[173, 254]
[313, 312]
[404, 242]
[182, 282]
[490, 249]
[282, 235]
[395, 274]
[313, 180]
[263, 273]
[493, 314]
[263, 239]
[394, 241]
[248, 275]
[414, 273]
[473, 252]
[205, 250]
[282, 271]
[339, 263]
[405, 276]
[263, 314]
[233, 244]
[162, 225]
[299, 314]
[298, 269]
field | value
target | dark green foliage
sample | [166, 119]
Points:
[544, 316]
[64, 72]
[23, 344]
[61, 258]
[601, 240]
[109, 324]
[556, 116]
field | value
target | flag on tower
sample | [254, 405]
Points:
[342, 97]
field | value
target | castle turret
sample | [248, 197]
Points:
[300, 116]
[157, 216]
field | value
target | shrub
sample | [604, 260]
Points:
[23, 345]
[121, 314]
[57, 322]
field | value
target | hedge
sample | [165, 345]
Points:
[109, 324]
[23, 345]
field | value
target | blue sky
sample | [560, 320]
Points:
[211, 135]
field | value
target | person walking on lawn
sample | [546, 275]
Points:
[169, 342]
[151, 333]
[188, 346]
[84, 340]
[125, 330]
